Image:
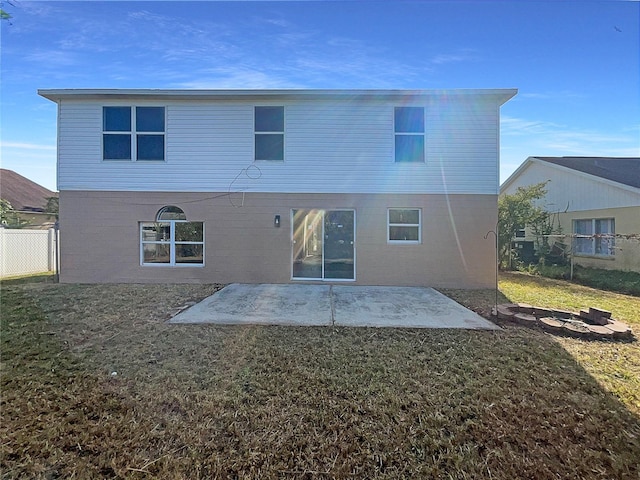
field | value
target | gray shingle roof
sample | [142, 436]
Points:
[22, 193]
[624, 170]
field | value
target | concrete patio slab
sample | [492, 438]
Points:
[406, 307]
[265, 304]
[332, 305]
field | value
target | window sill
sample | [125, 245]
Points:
[116, 160]
[167, 265]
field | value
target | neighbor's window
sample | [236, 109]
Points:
[404, 225]
[594, 236]
[269, 133]
[409, 134]
[172, 240]
[133, 133]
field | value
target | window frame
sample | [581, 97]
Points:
[409, 225]
[179, 218]
[397, 134]
[595, 238]
[134, 134]
[281, 133]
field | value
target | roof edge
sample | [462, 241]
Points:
[540, 160]
[521, 168]
[503, 94]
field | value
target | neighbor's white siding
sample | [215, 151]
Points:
[572, 191]
[331, 146]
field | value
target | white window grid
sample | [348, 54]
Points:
[414, 134]
[271, 132]
[415, 225]
[133, 135]
[171, 242]
[595, 241]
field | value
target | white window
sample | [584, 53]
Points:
[269, 133]
[409, 134]
[594, 236]
[404, 225]
[171, 240]
[133, 133]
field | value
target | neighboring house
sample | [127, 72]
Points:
[597, 202]
[373, 187]
[27, 198]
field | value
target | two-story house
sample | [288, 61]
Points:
[374, 187]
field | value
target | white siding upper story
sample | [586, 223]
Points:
[335, 142]
[570, 190]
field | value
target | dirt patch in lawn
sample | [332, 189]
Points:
[96, 384]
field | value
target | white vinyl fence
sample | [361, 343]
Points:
[23, 251]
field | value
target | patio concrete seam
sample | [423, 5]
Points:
[344, 306]
[332, 306]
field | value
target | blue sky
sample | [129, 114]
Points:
[576, 63]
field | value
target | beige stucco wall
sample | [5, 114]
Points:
[627, 251]
[100, 237]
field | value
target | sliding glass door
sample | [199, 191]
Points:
[323, 244]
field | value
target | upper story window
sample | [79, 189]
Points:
[269, 133]
[171, 240]
[409, 134]
[404, 225]
[594, 236]
[133, 133]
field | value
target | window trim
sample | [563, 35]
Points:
[418, 225]
[593, 237]
[274, 132]
[133, 135]
[171, 242]
[422, 134]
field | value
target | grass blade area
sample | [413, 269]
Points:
[615, 365]
[95, 384]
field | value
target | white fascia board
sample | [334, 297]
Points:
[523, 166]
[500, 95]
[572, 171]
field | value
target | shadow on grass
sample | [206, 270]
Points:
[194, 401]
[24, 279]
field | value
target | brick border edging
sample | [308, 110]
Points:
[594, 323]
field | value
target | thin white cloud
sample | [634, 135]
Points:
[550, 95]
[520, 126]
[522, 138]
[54, 57]
[464, 56]
[538, 96]
[563, 137]
[633, 128]
[27, 146]
[236, 77]
[278, 22]
[203, 53]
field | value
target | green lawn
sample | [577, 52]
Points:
[95, 384]
[615, 365]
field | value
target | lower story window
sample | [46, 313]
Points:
[594, 236]
[403, 225]
[171, 240]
